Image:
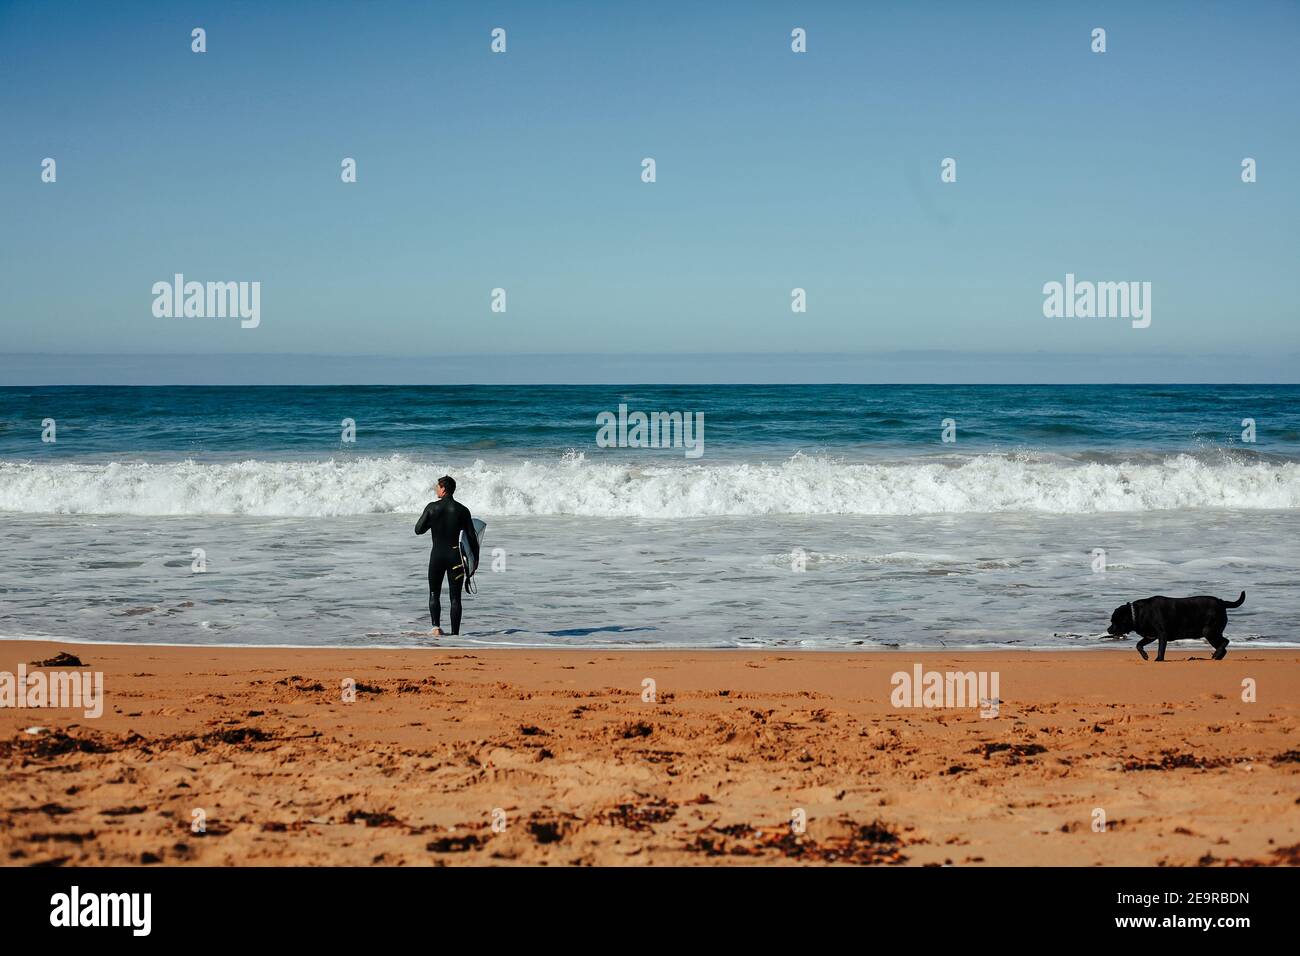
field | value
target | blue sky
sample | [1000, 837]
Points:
[775, 170]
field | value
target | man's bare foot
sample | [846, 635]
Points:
[436, 632]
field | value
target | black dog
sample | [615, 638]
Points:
[1175, 619]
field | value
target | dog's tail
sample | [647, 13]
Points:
[1237, 603]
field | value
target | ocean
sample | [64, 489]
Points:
[828, 517]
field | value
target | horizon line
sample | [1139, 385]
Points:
[899, 367]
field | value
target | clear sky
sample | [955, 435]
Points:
[775, 170]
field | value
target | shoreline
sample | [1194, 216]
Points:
[1127, 643]
[484, 756]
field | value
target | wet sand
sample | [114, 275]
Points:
[455, 757]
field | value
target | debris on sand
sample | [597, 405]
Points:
[373, 819]
[634, 817]
[59, 660]
[454, 844]
[868, 844]
[1173, 760]
[56, 743]
[1014, 752]
[633, 729]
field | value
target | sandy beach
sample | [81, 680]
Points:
[455, 757]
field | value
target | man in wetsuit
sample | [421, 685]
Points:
[446, 518]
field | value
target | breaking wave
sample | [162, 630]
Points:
[802, 485]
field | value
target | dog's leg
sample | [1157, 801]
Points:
[1160, 649]
[1143, 643]
[1214, 634]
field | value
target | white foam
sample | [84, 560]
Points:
[572, 485]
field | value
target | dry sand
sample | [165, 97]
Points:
[580, 769]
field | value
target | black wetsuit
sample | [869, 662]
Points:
[446, 519]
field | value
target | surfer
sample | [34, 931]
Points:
[446, 518]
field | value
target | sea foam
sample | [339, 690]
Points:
[802, 485]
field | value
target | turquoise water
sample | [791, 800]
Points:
[295, 422]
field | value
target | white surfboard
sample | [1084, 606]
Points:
[466, 552]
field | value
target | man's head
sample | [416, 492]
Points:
[446, 486]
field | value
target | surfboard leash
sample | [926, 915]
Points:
[470, 586]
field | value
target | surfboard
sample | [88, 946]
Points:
[466, 552]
